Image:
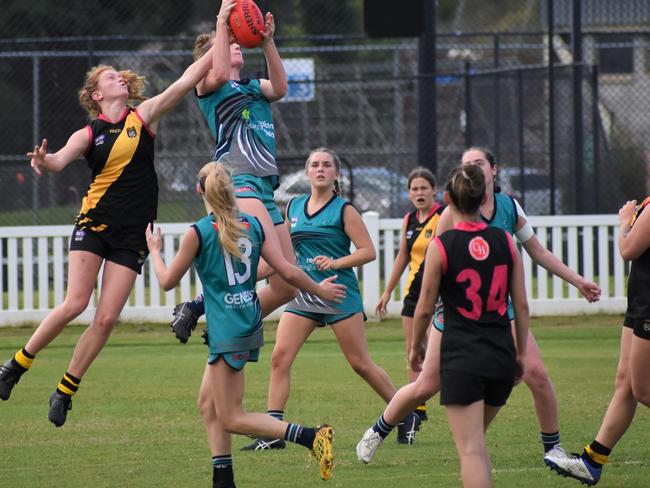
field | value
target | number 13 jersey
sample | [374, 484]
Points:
[477, 266]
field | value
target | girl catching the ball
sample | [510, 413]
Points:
[238, 113]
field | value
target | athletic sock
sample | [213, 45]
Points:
[276, 414]
[222, 473]
[68, 385]
[197, 305]
[596, 454]
[300, 434]
[22, 360]
[550, 440]
[382, 427]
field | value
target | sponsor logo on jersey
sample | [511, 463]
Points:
[409, 234]
[428, 233]
[239, 299]
[294, 221]
[99, 140]
[79, 235]
[131, 132]
[479, 249]
[114, 131]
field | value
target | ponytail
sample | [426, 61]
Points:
[218, 193]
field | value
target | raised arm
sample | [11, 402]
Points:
[399, 265]
[633, 240]
[219, 73]
[276, 86]
[169, 277]
[73, 149]
[357, 231]
[153, 109]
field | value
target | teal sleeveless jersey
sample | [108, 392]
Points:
[505, 214]
[240, 119]
[231, 305]
[322, 234]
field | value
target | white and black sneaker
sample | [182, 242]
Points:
[261, 444]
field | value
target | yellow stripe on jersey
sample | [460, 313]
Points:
[419, 248]
[120, 156]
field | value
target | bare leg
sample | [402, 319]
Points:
[538, 381]
[117, 283]
[293, 331]
[639, 367]
[227, 388]
[407, 328]
[622, 406]
[83, 268]
[278, 292]
[218, 439]
[467, 424]
[352, 338]
[425, 386]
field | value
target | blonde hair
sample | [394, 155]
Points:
[466, 187]
[134, 81]
[202, 44]
[218, 192]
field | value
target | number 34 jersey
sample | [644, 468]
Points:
[477, 266]
[231, 304]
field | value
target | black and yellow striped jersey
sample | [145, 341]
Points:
[418, 235]
[123, 190]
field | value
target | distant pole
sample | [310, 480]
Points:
[427, 131]
[578, 136]
[551, 102]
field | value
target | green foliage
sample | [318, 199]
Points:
[134, 421]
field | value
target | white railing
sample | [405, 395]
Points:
[34, 262]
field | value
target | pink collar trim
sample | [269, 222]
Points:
[471, 226]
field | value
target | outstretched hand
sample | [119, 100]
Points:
[331, 291]
[154, 240]
[38, 157]
[269, 28]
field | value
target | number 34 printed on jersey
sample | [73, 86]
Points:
[496, 299]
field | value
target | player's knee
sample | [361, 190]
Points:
[281, 360]
[74, 306]
[426, 388]
[206, 407]
[104, 322]
[233, 422]
[537, 378]
[360, 365]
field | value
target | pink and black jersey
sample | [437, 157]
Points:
[477, 269]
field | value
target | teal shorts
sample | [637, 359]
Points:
[260, 187]
[237, 359]
[323, 319]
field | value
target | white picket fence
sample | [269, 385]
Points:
[34, 261]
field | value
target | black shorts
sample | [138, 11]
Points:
[641, 327]
[461, 388]
[408, 310]
[126, 246]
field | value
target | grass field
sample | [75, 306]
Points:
[134, 422]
